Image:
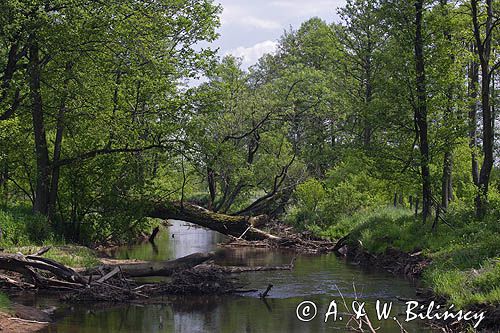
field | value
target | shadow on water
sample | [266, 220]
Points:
[315, 278]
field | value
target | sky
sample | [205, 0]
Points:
[251, 28]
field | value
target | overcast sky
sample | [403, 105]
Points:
[250, 28]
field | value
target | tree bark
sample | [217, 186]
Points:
[161, 268]
[234, 226]
[421, 111]
[41, 199]
[473, 83]
[446, 181]
[54, 185]
[483, 48]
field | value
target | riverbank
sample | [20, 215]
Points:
[16, 325]
[460, 263]
[17, 318]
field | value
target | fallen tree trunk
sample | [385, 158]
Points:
[236, 226]
[156, 268]
[55, 275]
[27, 265]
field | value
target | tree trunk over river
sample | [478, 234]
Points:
[236, 226]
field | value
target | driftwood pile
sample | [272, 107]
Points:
[115, 282]
[194, 281]
[288, 238]
[35, 271]
[105, 282]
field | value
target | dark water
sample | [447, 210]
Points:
[320, 279]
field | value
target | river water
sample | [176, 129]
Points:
[320, 279]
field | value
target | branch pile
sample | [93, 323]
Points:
[37, 272]
[114, 283]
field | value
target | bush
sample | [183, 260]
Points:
[21, 227]
[347, 188]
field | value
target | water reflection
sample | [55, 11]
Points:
[317, 278]
[178, 240]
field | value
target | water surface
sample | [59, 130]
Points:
[320, 279]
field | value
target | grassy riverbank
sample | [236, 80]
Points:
[465, 258]
[26, 233]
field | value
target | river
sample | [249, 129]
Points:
[320, 279]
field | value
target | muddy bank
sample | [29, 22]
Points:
[23, 319]
[410, 265]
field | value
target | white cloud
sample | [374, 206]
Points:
[307, 8]
[251, 54]
[231, 14]
[239, 15]
[255, 22]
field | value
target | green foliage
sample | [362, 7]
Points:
[347, 188]
[307, 211]
[97, 121]
[20, 227]
[112, 104]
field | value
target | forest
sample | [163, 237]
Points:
[379, 128]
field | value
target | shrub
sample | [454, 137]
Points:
[19, 227]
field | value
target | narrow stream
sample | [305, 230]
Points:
[315, 278]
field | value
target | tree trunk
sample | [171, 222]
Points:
[41, 199]
[54, 186]
[367, 128]
[25, 265]
[161, 268]
[236, 226]
[14, 55]
[3, 182]
[446, 181]
[488, 138]
[212, 187]
[421, 111]
[30, 267]
[483, 48]
[473, 83]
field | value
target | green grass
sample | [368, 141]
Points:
[4, 302]
[70, 255]
[465, 259]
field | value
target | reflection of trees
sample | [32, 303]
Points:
[124, 317]
[253, 257]
[191, 304]
[228, 314]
